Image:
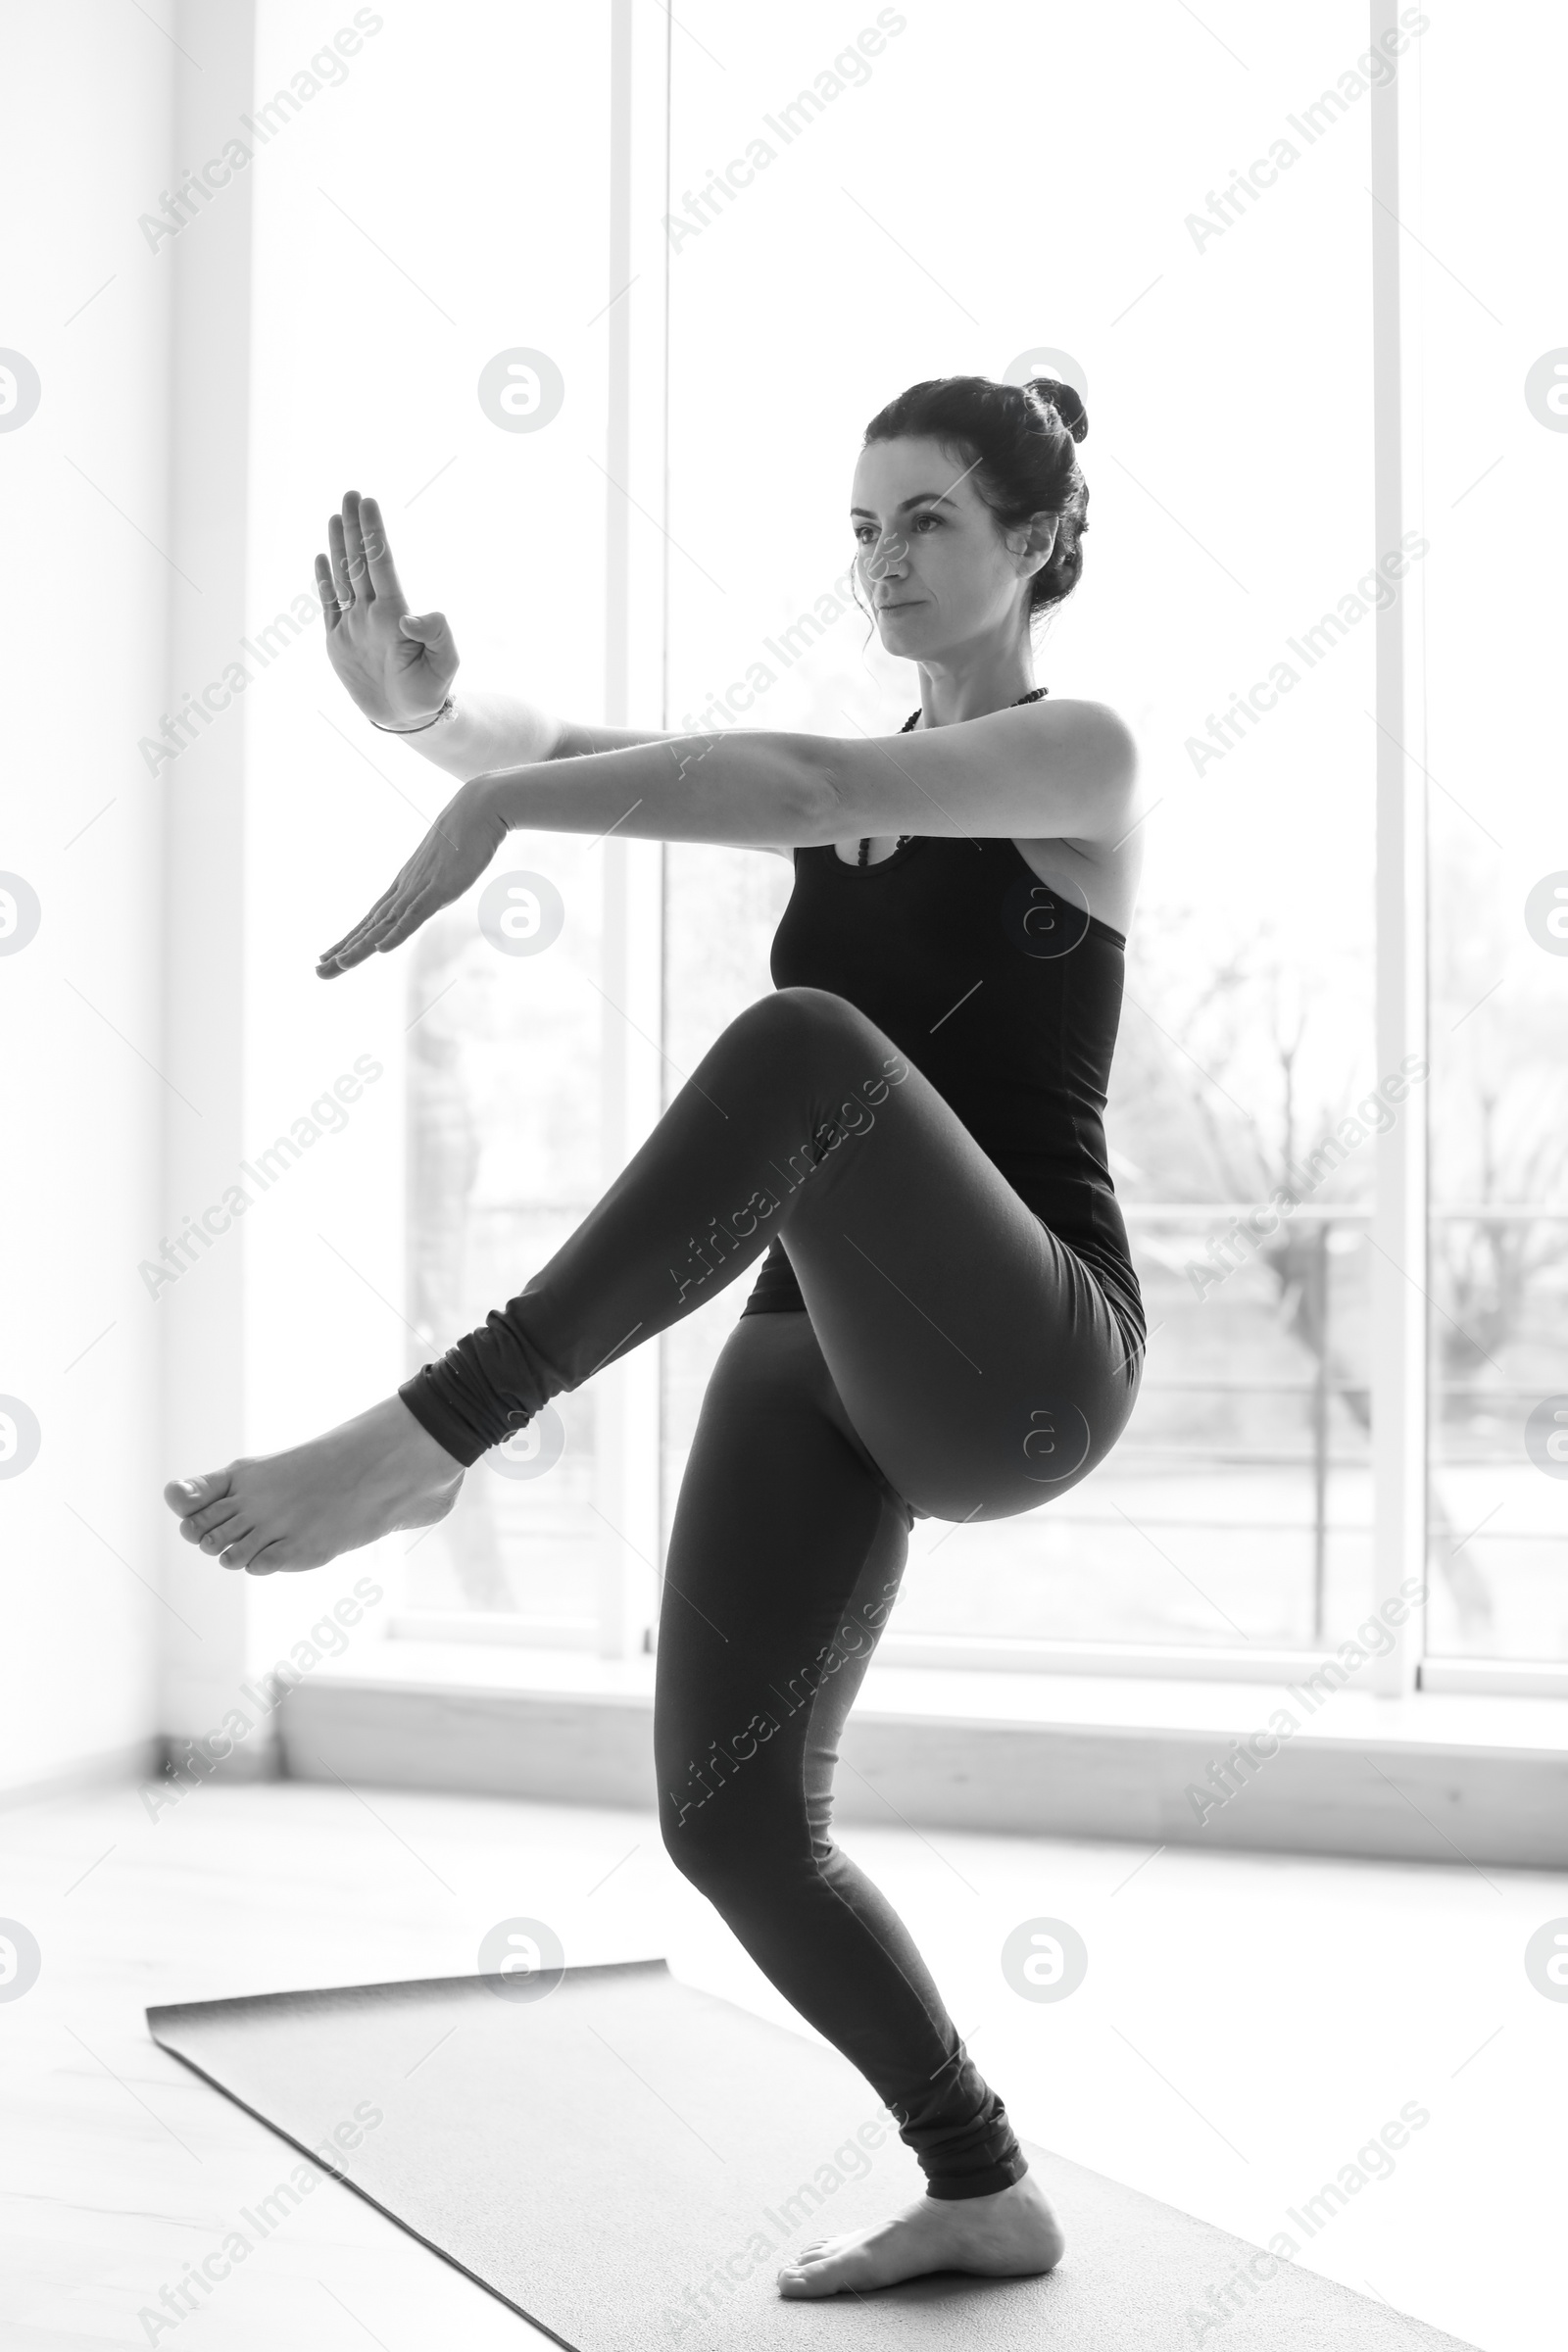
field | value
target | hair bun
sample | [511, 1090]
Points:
[1065, 401]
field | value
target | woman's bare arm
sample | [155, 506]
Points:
[1056, 770]
[487, 730]
[1052, 770]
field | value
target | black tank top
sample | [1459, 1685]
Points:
[1003, 994]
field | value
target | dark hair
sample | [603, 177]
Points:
[1022, 440]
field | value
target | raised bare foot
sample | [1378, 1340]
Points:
[1012, 2234]
[299, 1510]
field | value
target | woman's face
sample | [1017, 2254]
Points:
[932, 563]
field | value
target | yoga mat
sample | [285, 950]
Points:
[626, 2161]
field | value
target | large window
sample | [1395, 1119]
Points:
[1492, 389]
[1194, 242]
[1225, 344]
[410, 309]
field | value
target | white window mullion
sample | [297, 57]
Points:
[626, 1394]
[1399, 1224]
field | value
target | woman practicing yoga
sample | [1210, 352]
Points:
[946, 1324]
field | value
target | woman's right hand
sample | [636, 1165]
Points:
[397, 665]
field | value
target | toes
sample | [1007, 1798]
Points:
[197, 1529]
[214, 1527]
[241, 1549]
[213, 1514]
[801, 2280]
[191, 1494]
[268, 1558]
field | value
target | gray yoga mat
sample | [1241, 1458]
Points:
[625, 2161]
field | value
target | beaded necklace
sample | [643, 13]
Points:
[908, 729]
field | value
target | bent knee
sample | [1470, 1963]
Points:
[819, 1019]
[720, 1850]
[700, 1842]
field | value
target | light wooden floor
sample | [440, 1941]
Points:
[1246, 2026]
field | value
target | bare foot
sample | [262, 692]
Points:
[1012, 2234]
[299, 1510]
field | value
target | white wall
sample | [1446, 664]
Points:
[83, 604]
[199, 1310]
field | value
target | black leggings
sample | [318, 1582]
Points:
[957, 1361]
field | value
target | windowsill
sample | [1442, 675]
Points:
[952, 1695]
[1436, 1776]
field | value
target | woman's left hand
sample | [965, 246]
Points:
[452, 856]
